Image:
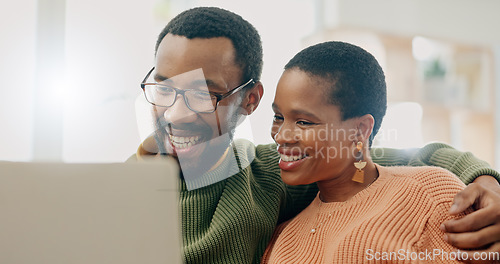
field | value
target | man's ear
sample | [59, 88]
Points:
[252, 98]
[365, 126]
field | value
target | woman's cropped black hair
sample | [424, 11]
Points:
[357, 81]
[212, 22]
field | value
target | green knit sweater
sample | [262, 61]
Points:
[232, 221]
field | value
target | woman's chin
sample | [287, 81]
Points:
[294, 178]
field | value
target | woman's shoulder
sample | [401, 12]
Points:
[436, 181]
[422, 173]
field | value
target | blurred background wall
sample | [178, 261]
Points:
[70, 70]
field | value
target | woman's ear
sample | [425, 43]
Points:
[365, 126]
[252, 98]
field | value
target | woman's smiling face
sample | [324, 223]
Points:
[314, 142]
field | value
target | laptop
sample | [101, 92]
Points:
[89, 213]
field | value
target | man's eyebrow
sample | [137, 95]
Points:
[208, 83]
[215, 87]
[218, 87]
[203, 82]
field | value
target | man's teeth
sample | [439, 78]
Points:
[288, 158]
[183, 142]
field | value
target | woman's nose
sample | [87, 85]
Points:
[285, 134]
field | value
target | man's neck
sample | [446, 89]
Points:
[219, 162]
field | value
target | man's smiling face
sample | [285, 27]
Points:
[197, 139]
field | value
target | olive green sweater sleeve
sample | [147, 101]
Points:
[463, 164]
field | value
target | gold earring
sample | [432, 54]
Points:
[359, 175]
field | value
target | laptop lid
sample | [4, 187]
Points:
[89, 213]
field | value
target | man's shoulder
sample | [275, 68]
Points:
[252, 151]
[268, 149]
[268, 153]
[263, 159]
[262, 170]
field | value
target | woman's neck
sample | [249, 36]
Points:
[342, 187]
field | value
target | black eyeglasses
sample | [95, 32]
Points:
[199, 101]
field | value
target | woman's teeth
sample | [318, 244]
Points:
[288, 158]
[184, 142]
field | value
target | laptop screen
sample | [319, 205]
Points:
[89, 213]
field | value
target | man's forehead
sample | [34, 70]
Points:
[219, 48]
[180, 56]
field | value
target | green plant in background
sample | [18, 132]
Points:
[434, 70]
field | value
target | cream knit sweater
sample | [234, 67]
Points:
[395, 220]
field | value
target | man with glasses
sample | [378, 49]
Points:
[192, 129]
[206, 78]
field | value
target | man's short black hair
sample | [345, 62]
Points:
[357, 80]
[212, 22]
